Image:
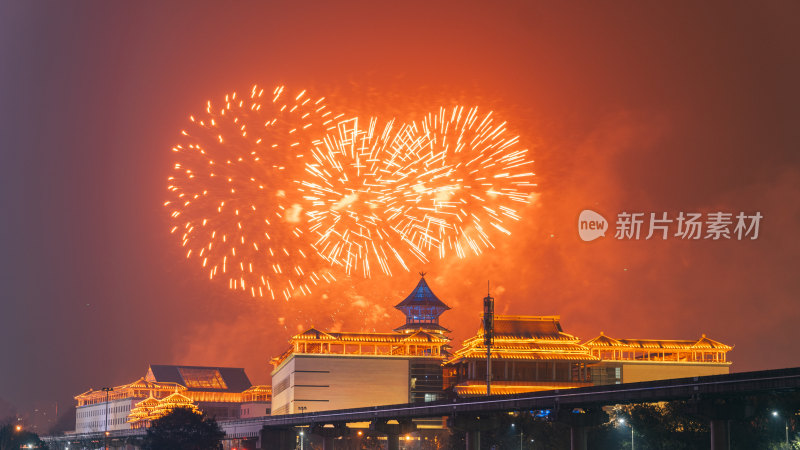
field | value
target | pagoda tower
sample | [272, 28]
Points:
[422, 310]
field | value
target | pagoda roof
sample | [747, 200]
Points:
[604, 341]
[422, 296]
[175, 397]
[703, 343]
[148, 402]
[525, 338]
[527, 328]
[315, 334]
[140, 384]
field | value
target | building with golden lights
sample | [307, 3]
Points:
[325, 370]
[221, 392]
[529, 353]
[533, 353]
[632, 360]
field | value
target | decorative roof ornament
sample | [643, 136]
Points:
[422, 309]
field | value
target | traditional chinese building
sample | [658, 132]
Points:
[533, 353]
[529, 353]
[220, 392]
[632, 360]
[326, 370]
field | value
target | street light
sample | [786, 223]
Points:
[107, 390]
[18, 428]
[785, 424]
[622, 422]
[301, 439]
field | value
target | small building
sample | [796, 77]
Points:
[529, 353]
[632, 360]
[326, 370]
[217, 391]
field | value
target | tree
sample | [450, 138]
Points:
[13, 438]
[183, 429]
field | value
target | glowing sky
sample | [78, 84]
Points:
[640, 107]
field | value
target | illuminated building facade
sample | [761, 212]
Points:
[532, 353]
[632, 360]
[529, 353]
[221, 392]
[325, 370]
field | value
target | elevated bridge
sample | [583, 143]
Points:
[710, 392]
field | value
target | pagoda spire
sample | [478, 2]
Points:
[422, 309]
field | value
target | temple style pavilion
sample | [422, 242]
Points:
[422, 310]
[631, 360]
[406, 364]
[533, 353]
[221, 392]
[529, 353]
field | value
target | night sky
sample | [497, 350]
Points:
[625, 106]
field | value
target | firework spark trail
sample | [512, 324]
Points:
[466, 176]
[352, 187]
[272, 191]
[233, 201]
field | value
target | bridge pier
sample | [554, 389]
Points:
[473, 439]
[720, 434]
[720, 412]
[472, 426]
[579, 421]
[329, 434]
[577, 438]
[393, 431]
[277, 438]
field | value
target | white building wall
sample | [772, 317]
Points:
[91, 418]
[325, 382]
[254, 409]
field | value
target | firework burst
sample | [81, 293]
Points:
[233, 202]
[466, 178]
[352, 187]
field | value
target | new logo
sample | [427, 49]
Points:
[591, 225]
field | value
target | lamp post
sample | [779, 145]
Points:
[622, 422]
[513, 427]
[488, 334]
[107, 390]
[301, 439]
[785, 425]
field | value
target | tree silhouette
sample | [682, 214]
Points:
[183, 429]
[11, 438]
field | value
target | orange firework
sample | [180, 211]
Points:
[351, 186]
[468, 177]
[234, 204]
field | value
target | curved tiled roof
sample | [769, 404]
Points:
[703, 343]
[422, 296]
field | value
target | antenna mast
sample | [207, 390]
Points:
[488, 334]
